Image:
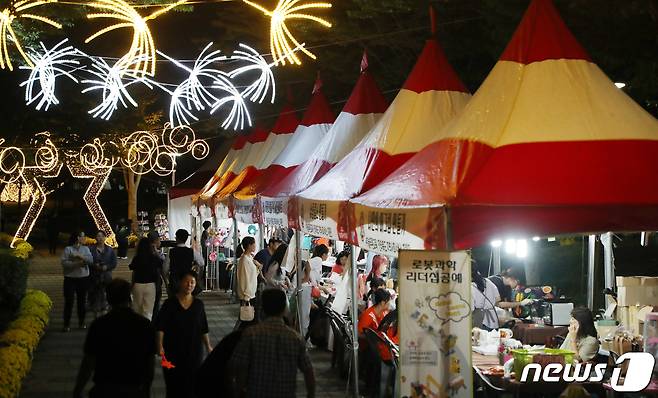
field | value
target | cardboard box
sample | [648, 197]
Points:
[628, 296]
[628, 280]
[632, 318]
[636, 281]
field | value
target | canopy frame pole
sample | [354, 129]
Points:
[608, 261]
[355, 327]
[496, 260]
[591, 267]
[300, 269]
[447, 228]
[234, 271]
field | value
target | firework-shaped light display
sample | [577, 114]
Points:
[280, 36]
[141, 57]
[192, 95]
[18, 9]
[109, 80]
[238, 113]
[48, 66]
[256, 91]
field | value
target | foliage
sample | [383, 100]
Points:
[18, 342]
[13, 283]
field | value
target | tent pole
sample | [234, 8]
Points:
[496, 260]
[355, 327]
[448, 228]
[300, 270]
[234, 272]
[608, 261]
[591, 266]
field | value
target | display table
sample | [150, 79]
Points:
[529, 333]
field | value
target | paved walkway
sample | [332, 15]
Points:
[58, 356]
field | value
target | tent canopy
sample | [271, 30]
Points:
[547, 145]
[317, 120]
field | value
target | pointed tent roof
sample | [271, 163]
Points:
[281, 133]
[317, 120]
[431, 96]
[195, 182]
[256, 136]
[363, 109]
[547, 145]
[228, 161]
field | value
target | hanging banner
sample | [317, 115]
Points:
[435, 324]
[243, 211]
[274, 211]
[319, 218]
[386, 231]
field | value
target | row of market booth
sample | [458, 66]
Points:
[547, 145]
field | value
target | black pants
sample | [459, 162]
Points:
[52, 244]
[158, 297]
[179, 382]
[75, 288]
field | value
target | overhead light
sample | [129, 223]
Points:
[536, 238]
[551, 239]
[496, 243]
[521, 248]
[510, 246]
[620, 84]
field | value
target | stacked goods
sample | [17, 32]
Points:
[636, 297]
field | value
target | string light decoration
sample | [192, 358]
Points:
[192, 95]
[256, 91]
[46, 164]
[15, 192]
[8, 16]
[109, 80]
[238, 112]
[280, 36]
[99, 178]
[48, 66]
[144, 152]
[140, 59]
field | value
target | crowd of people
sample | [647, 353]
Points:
[131, 330]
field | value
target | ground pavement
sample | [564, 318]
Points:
[58, 356]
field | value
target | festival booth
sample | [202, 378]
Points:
[363, 109]
[431, 96]
[180, 195]
[548, 145]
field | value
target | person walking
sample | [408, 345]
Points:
[248, 271]
[154, 238]
[119, 350]
[105, 261]
[182, 337]
[268, 355]
[146, 267]
[76, 261]
[181, 260]
[122, 233]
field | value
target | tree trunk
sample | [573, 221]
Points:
[132, 185]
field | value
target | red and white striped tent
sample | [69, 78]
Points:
[362, 110]
[547, 145]
[227, 164]
[281, 133]
[431, 96]
[317, 120]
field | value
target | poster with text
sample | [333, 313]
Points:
[435, 324]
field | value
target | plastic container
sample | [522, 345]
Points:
[651, 336]
[524, 357]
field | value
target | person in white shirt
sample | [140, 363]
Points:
[76, 260]
[320, 255]
[484, 296]
[248, 271]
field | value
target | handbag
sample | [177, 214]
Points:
[315, 292]
[247, 313]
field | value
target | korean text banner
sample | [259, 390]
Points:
[435, 324]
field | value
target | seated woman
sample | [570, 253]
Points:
[582, 338]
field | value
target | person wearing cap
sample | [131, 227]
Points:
[264, 256]
[506, 282]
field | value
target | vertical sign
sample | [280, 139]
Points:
[435, 324]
